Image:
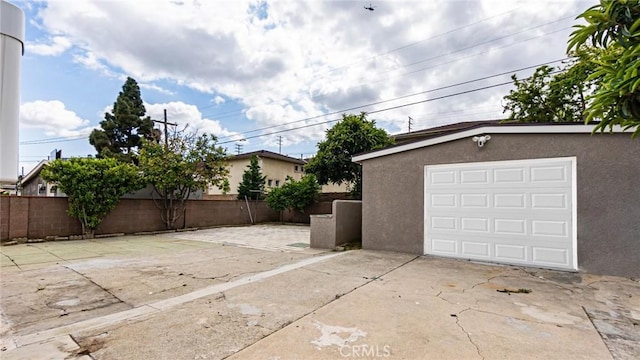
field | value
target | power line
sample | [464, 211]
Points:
[377, 111]
[55, 140]
[387, 109]
[397, 98]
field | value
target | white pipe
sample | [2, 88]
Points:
[11, 51]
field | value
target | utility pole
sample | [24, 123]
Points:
[166, 131]
[238, 148]
[410, 123]
[280, 144]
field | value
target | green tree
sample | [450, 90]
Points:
[554, 95]
[252, 180]
[94, 186]
[294, 195]
[613, 25]
[123, 129]
[354, 134]
[189, 163]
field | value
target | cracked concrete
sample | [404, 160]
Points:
[457, 316]
[168, 298]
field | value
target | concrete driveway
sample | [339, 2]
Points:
[210, 294]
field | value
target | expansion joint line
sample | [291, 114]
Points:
[598, 331]
[96, 284]
[338, 296]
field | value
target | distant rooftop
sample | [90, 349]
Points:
[269, 155]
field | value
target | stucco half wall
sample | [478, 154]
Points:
[608, 192]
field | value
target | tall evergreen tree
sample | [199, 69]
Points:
[252, 179]
[124, 128]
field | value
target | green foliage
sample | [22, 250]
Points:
[354, 134]
[94, 186]
[124, 129]
[252, 179]
[189, 163]
[613, 25]
[554, 95]
[294, 195]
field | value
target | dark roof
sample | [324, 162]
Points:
[269, 155]
[443, 129]
[415, 139]
[35, 171]
[468, 125]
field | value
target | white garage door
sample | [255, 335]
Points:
[519, 212]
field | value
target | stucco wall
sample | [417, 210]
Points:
[608, 194]
[342, 226]
[274, 170]
[278, 170]
[236, 169]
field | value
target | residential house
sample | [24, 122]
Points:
[33, 185]
[276, 167]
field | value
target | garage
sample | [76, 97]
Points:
[513, 212]
[541, 195]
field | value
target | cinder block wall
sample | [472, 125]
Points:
[47, 216]
[39, 217]
[4, 217]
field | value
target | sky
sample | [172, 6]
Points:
[275, 75]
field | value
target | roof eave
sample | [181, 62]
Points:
[496, 129]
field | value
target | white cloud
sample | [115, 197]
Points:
[218, 100]
[53, 118]
[53, 47]
[187, 115]
[291, 60]
[89, 60]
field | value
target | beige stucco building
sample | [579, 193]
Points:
[276, 167]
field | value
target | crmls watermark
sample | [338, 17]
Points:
[365, 351]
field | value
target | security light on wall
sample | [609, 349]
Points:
[481, 140]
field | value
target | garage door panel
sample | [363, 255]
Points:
[550, 200]
[550, 228]
[546, 174]
[552, 256]
[476, 249]
[510, 252]
[474, 177]
[444, 223]
[471, 200]
[510, 226]
[509, 200]
[474, 224]
[447, 177]
[519, 212]
[444, 246]
[443, 200]
[511, 176]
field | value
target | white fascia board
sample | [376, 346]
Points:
[500, 129]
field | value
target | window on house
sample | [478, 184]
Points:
[270, 182]
[296, 168]
[277, 183]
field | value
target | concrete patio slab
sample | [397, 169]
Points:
[165, 297]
